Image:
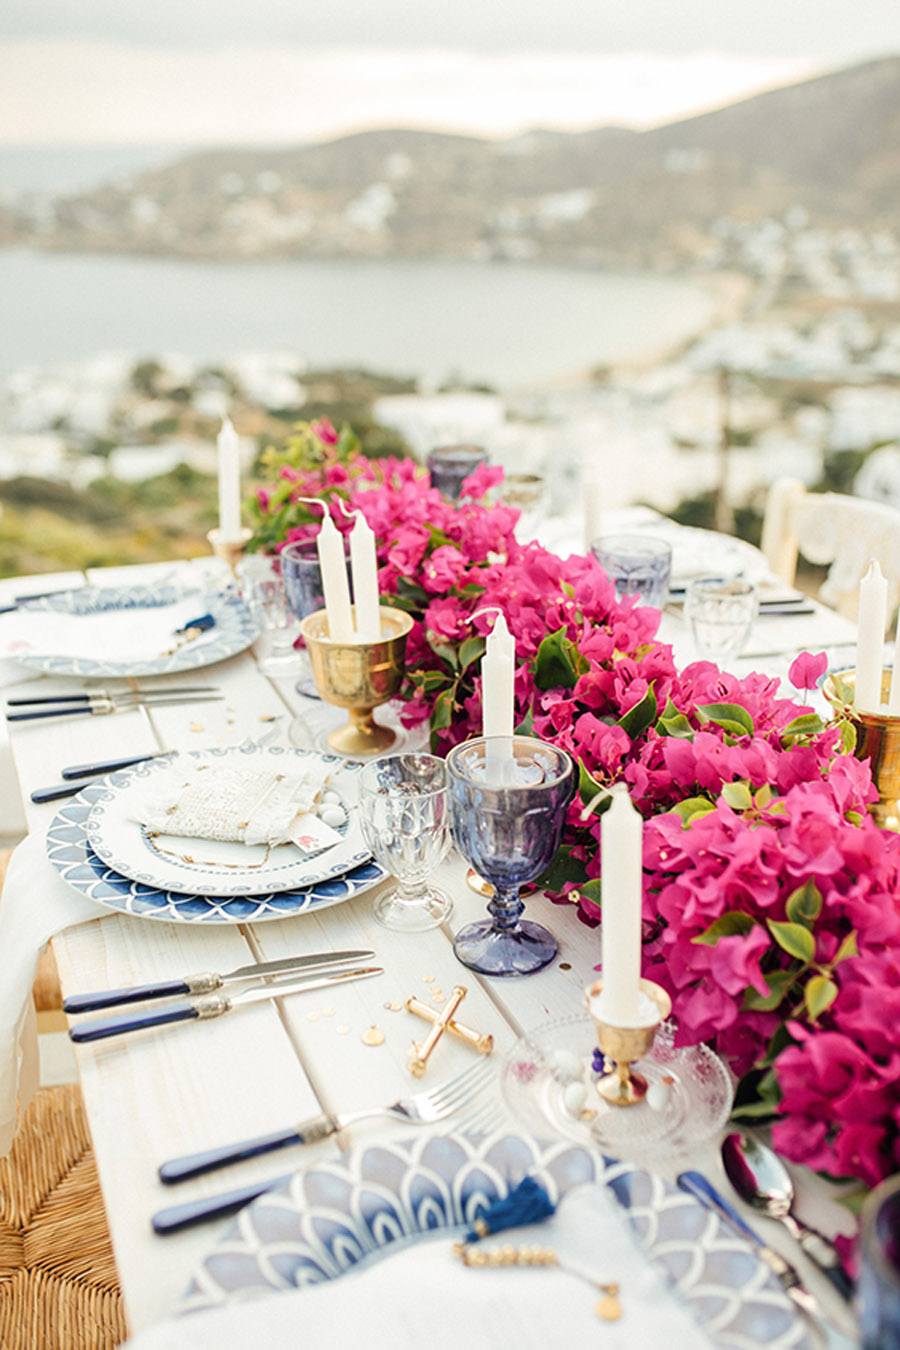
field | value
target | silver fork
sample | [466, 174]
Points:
[423, 1108]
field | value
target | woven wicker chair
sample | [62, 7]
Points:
[58, 1284]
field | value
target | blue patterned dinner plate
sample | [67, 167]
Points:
[234, 631]
[331, 1217]
[69, 850]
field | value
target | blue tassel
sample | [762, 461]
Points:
[526, 1203]
[202, 623]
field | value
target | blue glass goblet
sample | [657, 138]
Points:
[879, 1276]
[450, 465]
[303, 587]
[508, 800]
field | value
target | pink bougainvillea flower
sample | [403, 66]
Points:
[325, 431]
[806, 670]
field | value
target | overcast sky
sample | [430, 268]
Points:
[275, 70]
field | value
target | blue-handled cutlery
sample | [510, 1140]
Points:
[207, 982]
[99, 707]
[75, 774]
[697, 1185]
[215, 1005]
[423, 1108]
[89, 695]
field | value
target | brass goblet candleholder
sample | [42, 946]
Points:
[877, 740]
[623, 1046]
[358, 676]
[230, 550]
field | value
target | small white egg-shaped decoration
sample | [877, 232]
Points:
[332, 815]
[574, 1098]
[658, 1096]
[330, 796]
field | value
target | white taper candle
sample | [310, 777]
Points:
[229, 465]
[620, 932]
[498, 677]
[870, 639]
[364, 566]
[335, 586]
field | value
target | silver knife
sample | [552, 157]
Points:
[207, 982]
[89, 695]
[215, 1005]
[106, 707]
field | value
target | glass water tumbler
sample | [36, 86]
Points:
[636, 564]
[450, 465]
[405, 818]
[721, 615]
[879, 1277]
[508, 802]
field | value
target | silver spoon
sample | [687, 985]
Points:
[760, 1177]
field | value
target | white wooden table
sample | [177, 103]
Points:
[177, 1089]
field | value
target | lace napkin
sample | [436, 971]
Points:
[232, 803]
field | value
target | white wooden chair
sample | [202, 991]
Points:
[826, 528]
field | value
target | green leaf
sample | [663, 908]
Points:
[526, 726]
[593, 890]
[410, 590]
[692, 808]
[729, 716]
[562, 869]
[804, 905]
[638, 718]
[673, 723]
[779, 983]
[442, 712]
[431, 680]
[794, 939]
[470, 651]
[589, 789]
[437, 538]
[567, 589]
[558, 662]
[445, 652]
[848, 948]
[737, 795]
[762, 797]
[848, 737]
[759, 1110]
[819, 994]
[807, 724]
[727, 925]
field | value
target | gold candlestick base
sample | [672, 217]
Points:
[877, 740]
[230, 550]
[622, 1046]
[358, 676]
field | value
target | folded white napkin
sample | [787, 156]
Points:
[422, 1295]
[35, 905]
[231, 802]
[119, 634]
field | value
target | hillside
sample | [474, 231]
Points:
[830, 145]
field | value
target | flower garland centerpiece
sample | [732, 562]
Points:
[771, 900]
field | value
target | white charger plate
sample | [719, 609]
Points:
[219, 869]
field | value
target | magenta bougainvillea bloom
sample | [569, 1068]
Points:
[806, 670]
[771, 899]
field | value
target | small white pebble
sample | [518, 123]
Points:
[658, 1096]
[332, 797]
[566, 1064]
[332, 815]
[574, 1098]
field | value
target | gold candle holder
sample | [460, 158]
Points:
[622, 1046]
[358, 676]
[230, 550]
[877, 740]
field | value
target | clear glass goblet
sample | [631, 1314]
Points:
[508, 802]
[405, 816]
[262, 586]
[721, 615]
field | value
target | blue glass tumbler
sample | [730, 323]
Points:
[637, 564]
[508, 801]
[879, 1274]
[450, 465]
[303, 587]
